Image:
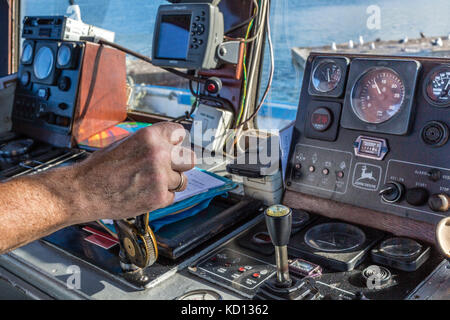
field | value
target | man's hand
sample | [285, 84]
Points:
[126, 180]
[135, 176]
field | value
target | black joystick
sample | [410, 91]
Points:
[279, 225]
[282, 287]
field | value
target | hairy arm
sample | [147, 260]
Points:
[124, 181]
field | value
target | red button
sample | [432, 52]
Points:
[241, 269]
[256, 275]
[211, 87]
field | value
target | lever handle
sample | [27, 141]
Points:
[279, 225]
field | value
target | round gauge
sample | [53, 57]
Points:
[438, 86]
[326, 76]
[334, 237]
[378, 95]
[43, 65]
[64, 56]
[400, 247]
[27, 54]
[200, 295]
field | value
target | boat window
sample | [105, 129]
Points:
[154, 90]
[389, 27]
[298, 27]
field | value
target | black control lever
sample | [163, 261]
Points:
[279, 224]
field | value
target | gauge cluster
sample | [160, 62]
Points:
[373, 131]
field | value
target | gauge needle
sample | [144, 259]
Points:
[328, 74]
[376, 85]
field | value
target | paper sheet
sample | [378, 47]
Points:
[198, 182]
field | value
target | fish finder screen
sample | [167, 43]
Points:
[173, 38]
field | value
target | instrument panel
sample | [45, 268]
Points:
[372, 131]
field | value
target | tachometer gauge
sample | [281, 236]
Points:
[326, 76]
[44, 63]
[438, 86]
[378, 95]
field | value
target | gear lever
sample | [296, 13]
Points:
[279, 224]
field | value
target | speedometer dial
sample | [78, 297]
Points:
[438, 86]
[378, 95]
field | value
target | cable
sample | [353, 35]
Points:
[272, 72]
[246, 22]
[140, 56]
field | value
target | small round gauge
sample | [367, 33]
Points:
[438, 86]
[378, 95]
[326, 76]
[25, 78]
[200, 295]
[334, 237]
[64, 56]
[400, 247]
[43, 65]
[27, 54]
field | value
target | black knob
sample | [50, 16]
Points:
[439, 202]
[435, 175]
[392, 192]
[64, 83]
[417, 196]
[279, 224]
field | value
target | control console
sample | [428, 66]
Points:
[373, 132]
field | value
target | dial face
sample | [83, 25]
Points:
[400, 247]
[438, 87]
[378, 95]
[64, 56]
[326, 76]
[44, 62]
[27, 54]
[335, 237]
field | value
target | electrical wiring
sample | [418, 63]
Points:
[272, 72]
[246, 22]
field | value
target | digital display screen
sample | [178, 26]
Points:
[320, 118]
[370, 147]
[173, 37]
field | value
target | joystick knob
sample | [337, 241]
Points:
[392, 192]
[279, 224]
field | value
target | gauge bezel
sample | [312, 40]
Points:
[51, 78]
[212, 293]
[338, 91]
[320, 64]
[30, 61]
[58, 58]
[400, 124]
[426, 83]
[51, 66]
[357, 82]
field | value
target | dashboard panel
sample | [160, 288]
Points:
[372, 131]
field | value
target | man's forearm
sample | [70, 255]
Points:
[35, 206]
